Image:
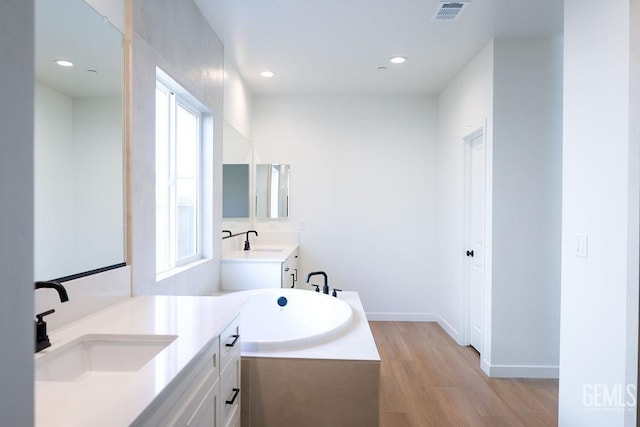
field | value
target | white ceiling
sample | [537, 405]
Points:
[335, 46]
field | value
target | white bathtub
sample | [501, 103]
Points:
[274, 319]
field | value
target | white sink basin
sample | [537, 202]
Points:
[99, 355]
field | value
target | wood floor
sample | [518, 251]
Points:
[426, 379]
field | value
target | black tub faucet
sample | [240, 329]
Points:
[247, 245]
[325, 287]
[42, 339]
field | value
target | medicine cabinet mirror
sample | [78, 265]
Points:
[272, 191]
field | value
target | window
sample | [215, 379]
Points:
[178, 176]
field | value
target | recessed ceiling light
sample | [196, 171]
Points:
[398, 59]
[63, 62]
[267, 74]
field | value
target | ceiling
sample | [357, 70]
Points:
[336, 46]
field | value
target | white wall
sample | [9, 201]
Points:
[238, 101]
[363, 192]
[16, 221]
[526, 207]
[600, 194]
[512, 89]
[86, 296]
[174, 36]
[463, 107]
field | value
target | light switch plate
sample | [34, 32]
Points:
[581, 245]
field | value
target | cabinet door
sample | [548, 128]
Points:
[206, 415]
[230, 392]
[290, 271]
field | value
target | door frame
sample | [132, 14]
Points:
[465, 338]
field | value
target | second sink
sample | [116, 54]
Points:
[99, 354]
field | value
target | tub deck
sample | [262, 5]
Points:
[334, 382]
[355, 343]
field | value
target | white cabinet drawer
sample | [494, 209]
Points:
[176, 405]
[230, 343]
[196, 404]
[206, 414]
[230, 392]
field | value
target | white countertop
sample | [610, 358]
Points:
[116, 400]
[261, 253]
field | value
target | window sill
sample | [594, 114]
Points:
[175, 271]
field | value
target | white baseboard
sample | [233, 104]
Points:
[415, 317]
[450, 330]
[494, 371]
[402, 317]
[519, 371]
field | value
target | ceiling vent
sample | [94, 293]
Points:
[449, 10]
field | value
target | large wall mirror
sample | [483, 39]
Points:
[235, 191]
[236, 174]
[272, 191]
[78, 131]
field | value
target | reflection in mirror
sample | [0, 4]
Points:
[235, 191]
[272, 191]
[78, 131]
[236, 180]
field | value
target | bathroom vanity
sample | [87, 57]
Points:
[259, 268]
[147, 361]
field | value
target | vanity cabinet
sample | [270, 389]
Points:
[229, 402]
[260, 270]
[289, 276]
[208, 393]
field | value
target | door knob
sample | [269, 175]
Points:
[470, 253]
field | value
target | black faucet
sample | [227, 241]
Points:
[247, 245]
[52, 284]
[325, 287]
[42, 339]
[228, 231]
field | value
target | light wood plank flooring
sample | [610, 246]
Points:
[426, 379]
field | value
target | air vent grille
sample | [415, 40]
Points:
[449, 11]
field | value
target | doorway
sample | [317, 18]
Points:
[474, 250]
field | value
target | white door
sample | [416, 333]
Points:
[475, 236]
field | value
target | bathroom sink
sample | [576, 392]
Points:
[98, 354]
[267, 250]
